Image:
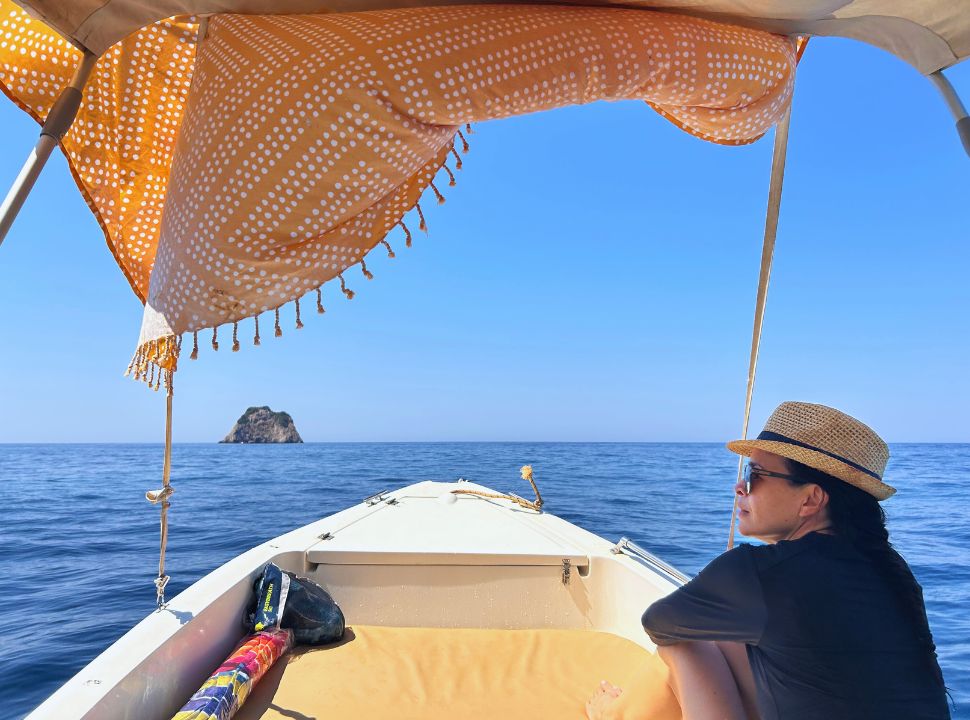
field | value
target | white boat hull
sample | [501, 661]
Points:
[418, 557]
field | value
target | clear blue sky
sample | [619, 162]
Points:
[591, 277]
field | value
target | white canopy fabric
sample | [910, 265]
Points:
[928, 34]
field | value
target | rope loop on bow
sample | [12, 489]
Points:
[161, 497]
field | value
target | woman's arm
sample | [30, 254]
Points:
[736, 655]
[724, 603]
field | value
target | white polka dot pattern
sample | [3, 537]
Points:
[120, 147]
[307, 138]
[303, 140]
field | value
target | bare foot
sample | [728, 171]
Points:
[601, 705]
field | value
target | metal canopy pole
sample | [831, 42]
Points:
[58, 121]
[956, 106]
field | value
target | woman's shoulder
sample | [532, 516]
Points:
[760, 558]
[766, 557]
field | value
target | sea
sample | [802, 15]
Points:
[79, 542]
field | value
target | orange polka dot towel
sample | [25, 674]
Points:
[120, 146]
[303, 141]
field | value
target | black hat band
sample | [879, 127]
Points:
[777, 437]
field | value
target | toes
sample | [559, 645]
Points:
[609, 688]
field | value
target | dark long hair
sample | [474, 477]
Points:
[859, 518]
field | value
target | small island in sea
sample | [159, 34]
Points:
[262, 425]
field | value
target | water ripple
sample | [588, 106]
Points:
[78, 542]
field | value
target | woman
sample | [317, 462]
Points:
[825, 621]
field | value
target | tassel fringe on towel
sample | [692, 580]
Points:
[156, 361]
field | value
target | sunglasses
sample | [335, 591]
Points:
[751, 472]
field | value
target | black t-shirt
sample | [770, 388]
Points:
[825, 635]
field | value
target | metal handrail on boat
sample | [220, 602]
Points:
[627, 547]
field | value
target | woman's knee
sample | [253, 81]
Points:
[683, 649]
[669, 653]
[701, 680]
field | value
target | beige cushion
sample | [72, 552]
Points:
[425, 673]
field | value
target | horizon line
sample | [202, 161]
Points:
[442, 442]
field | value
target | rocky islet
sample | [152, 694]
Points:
[262, 425]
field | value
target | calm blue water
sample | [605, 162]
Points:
[79, 543]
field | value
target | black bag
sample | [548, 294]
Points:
[288, 601]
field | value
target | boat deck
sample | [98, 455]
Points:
[427, 673]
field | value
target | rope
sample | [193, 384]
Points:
[527, 475]
[530, 504]
[767, 253]
[162, 496]
[499, 496]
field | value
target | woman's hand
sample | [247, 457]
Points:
[602, 705]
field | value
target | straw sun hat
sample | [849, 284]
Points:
[827, 440]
